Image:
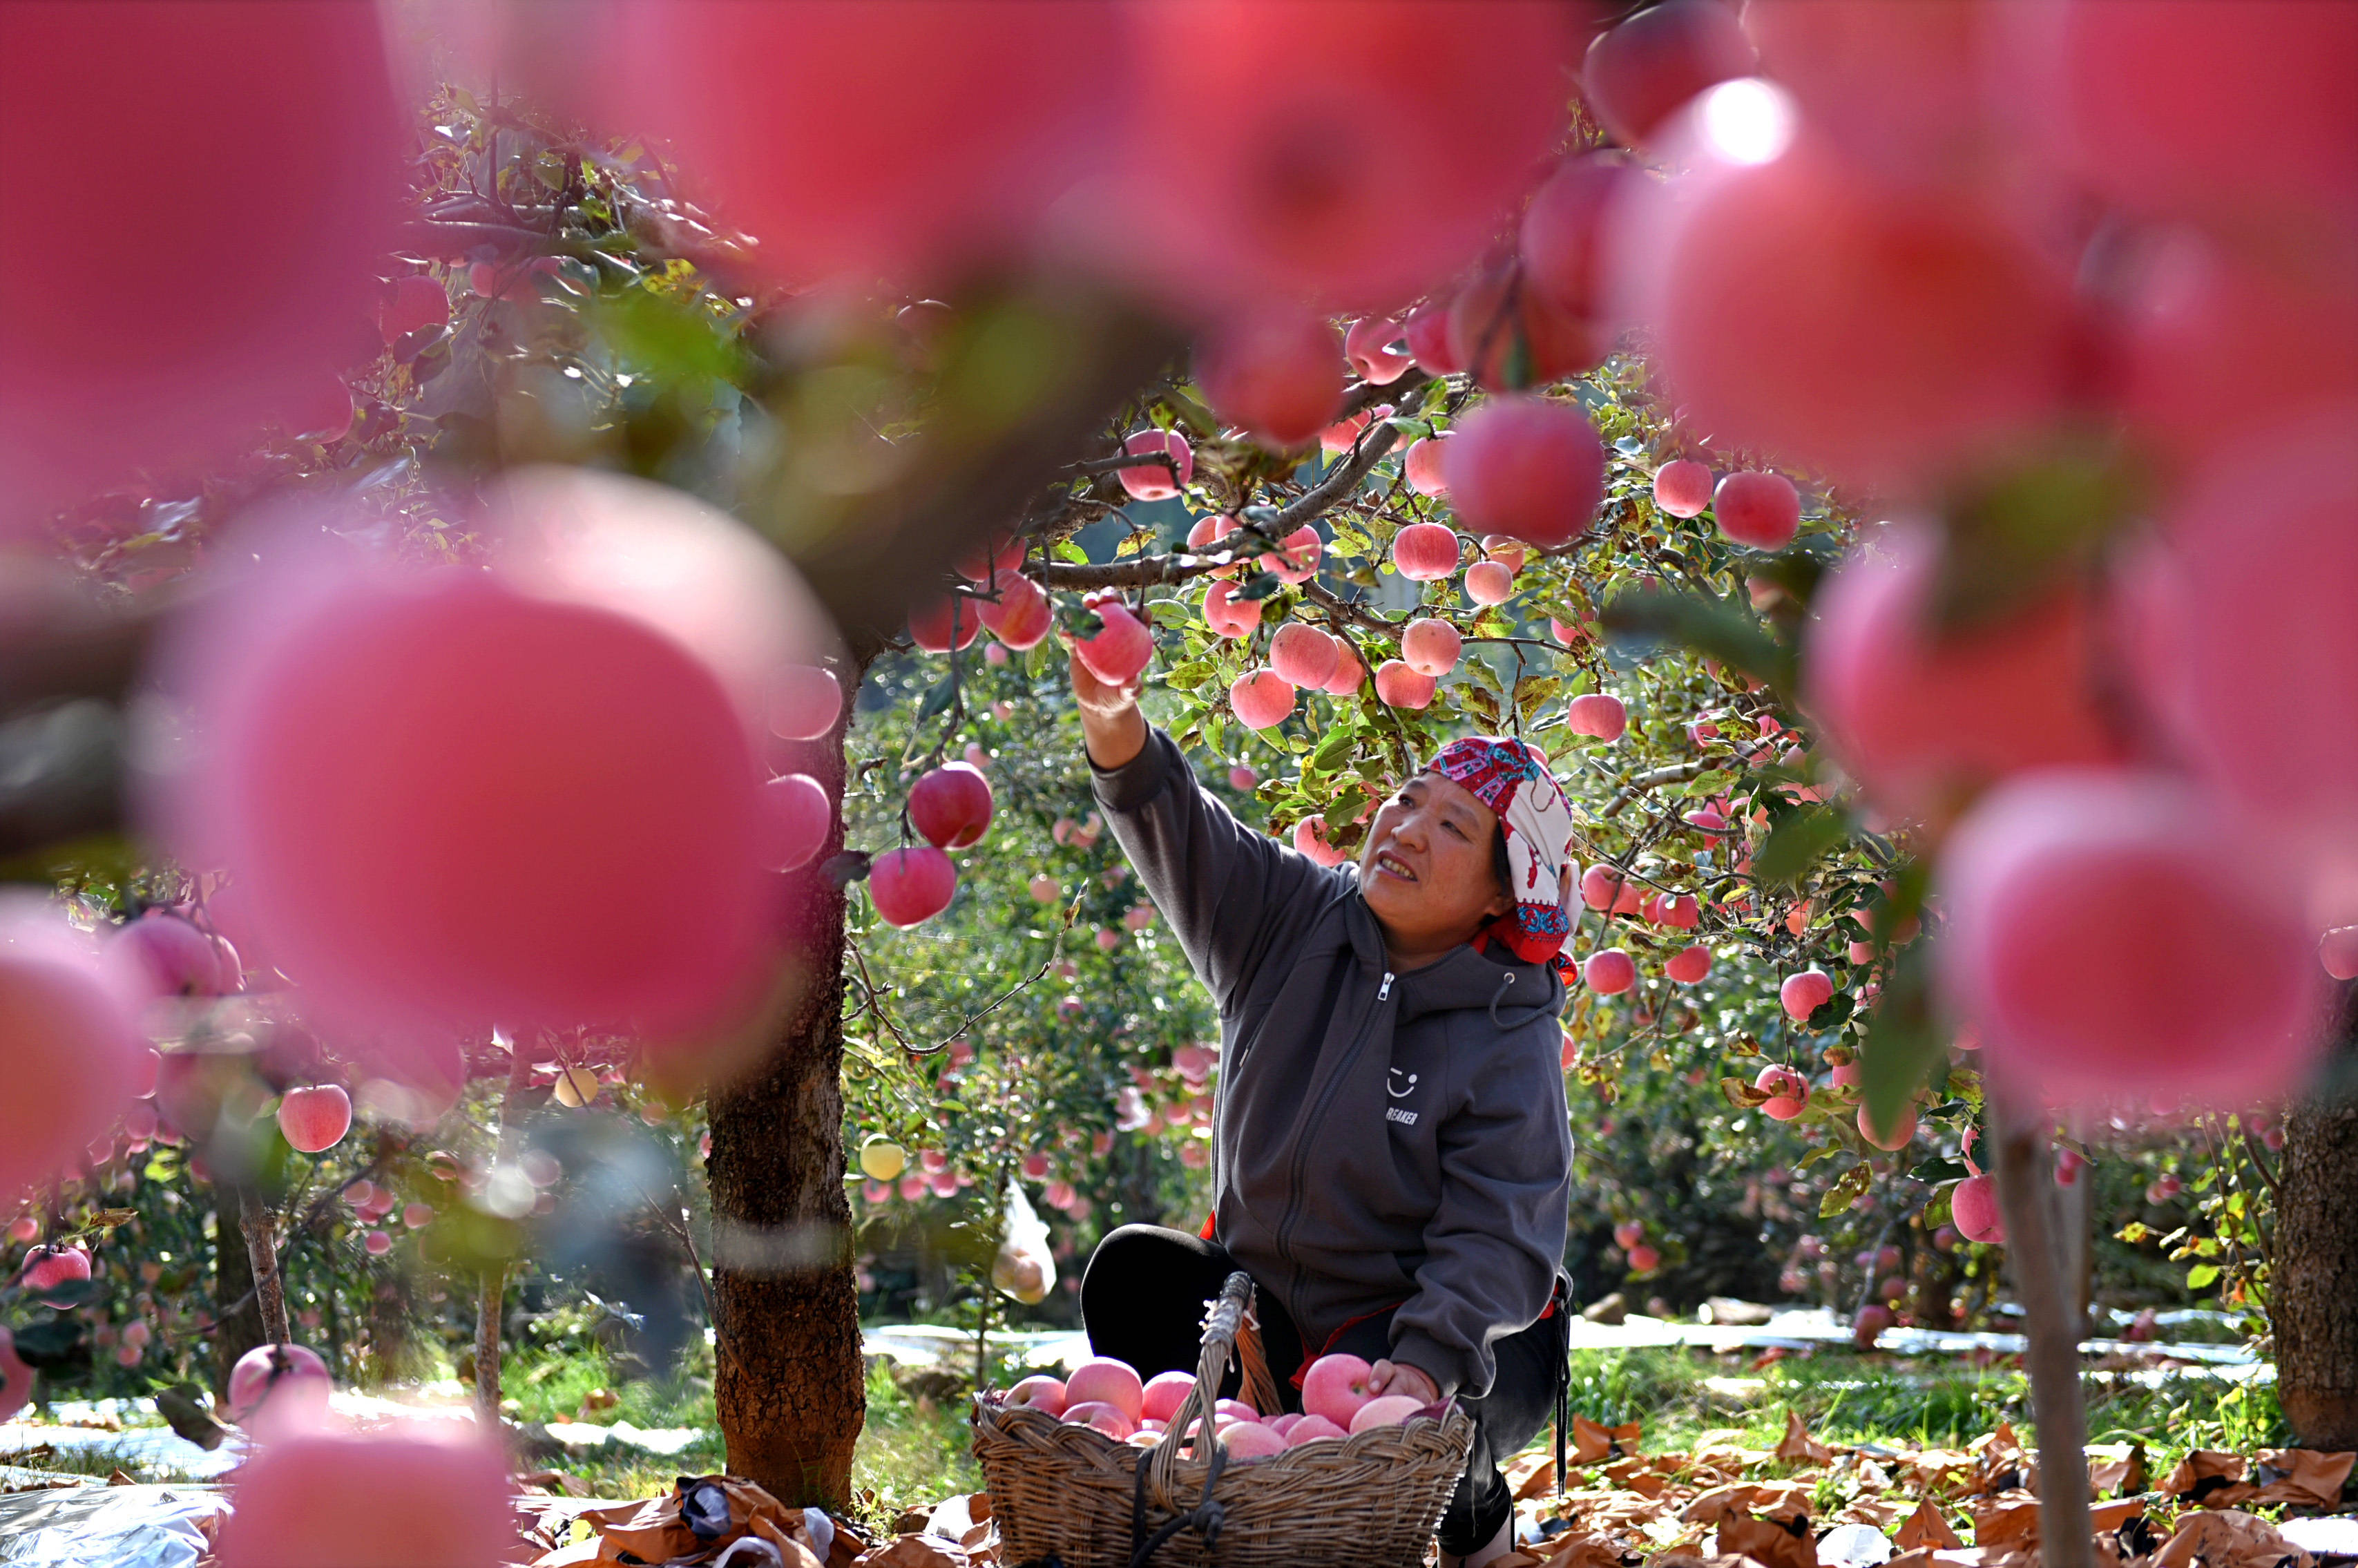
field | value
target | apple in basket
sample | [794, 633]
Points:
[1228, 1411]
[1103, 1379]
[1336, 1387]
[1163, 1394]
[1042, 1393]
[1389, 1410]
[1111, 1420]
[1251, 1440]
[1312, 1429]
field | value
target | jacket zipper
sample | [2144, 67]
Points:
[1302, 1144]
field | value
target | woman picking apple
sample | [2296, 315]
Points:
[1392, 1154]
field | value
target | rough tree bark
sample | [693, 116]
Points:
[788, 1381]
[491, 1300]
[2313, 1277]
[261, 1228]
[2026, 1193]
[237, 1310]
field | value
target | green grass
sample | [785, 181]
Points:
[1935, 1402]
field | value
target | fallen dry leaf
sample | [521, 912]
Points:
[2208, 1478]
[1927, 1527]
[914, 1551]
[1770, 1544]
[1592, 1443]
[2009, 1520]
[1799, 1447]
[2301, 1476]
[2228, 1537]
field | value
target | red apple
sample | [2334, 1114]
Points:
[1789, 1092]
[1041, 1393]
[1104, 1379]
[1558, 241]
[796, 815]
[1597, 713]
[1610, 972]
[2176, 968]
[912, 884]
[47, 1268]
[1689, 965]
[1757, 508]
[1802, 994]
[1682, 487]
[1152, 482]
[1428, 340]
[805, 702]
[1251, 1439]
[1973, 1206]
[1400, 687]
[1888, 336]
[1644, 1259]
[1303, 655]
[1641, 72]
[1296, 560]
[1894, 1135]
[946, 622]
[1278, 373]
[1369, 345]
[315, 1118]
[417, 1491]
[409, 303]
[1868, 1327]
[1022, 617]
[289, 1380]
[1310, 838]
[1273, 97]
[70, 1051]
[1526, 466]
[346, 696]
[161, 955]
[951, 806]
[1512, 337]
[1349, 672]
[1420, 465]
[1489, 582]
[1228, 615]
[1314, 1429]
[1335, 1388]
[1121, 647]
[1430, 646]
[292, 110]
[1164, 1393]
[1260, 699]
[1424, 552]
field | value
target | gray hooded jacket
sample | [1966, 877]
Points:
[1378, 1138]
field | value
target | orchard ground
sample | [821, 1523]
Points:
[913, 1453]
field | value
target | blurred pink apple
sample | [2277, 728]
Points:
[328, 1497]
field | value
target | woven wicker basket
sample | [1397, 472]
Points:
[1071, 1492]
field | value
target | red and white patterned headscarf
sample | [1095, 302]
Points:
[1511, 778]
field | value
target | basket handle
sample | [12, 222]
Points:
[1221, 1325]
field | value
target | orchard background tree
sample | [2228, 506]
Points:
[1818, 463]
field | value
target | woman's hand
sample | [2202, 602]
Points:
[1111, 725]
[1400, 1378]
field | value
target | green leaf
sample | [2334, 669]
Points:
[2202, 1276]
[1797, 842]
[1643, 619]
[1902, 1047]
[1069, 552]
[1848, 1188]
[45, 1346]
[2020, 533]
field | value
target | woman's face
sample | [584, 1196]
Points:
[1427, 869]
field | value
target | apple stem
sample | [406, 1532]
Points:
[2026, 1190]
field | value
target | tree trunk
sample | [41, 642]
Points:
[788, 1380]
[2026, 1193]
[261, 1230]
[2313, 1275]
[492, 1295]
[237, 1313]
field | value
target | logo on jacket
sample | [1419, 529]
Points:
[1397, 1090]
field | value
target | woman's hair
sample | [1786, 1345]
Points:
[1500, 865]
